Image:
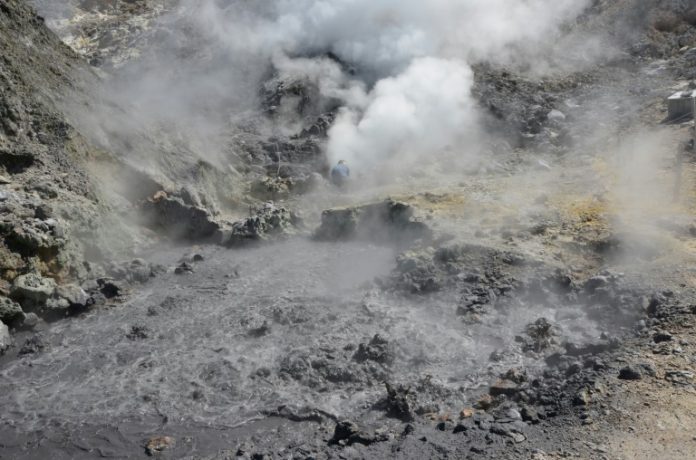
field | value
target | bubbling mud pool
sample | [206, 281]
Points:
[252, 330]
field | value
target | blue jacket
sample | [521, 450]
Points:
[340, 171]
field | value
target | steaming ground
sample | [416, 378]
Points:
[199, 358]
[195, 355]
[264, 349]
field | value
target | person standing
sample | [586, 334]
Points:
[340, 174]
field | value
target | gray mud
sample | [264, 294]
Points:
[246, 333]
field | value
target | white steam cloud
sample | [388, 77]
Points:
[399, 69]
[417, 53]
[414, 55]
[424, 109]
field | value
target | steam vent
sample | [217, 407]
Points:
[294, 230]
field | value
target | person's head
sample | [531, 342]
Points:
[341, 162]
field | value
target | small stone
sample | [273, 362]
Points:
[630, 373]
[592, 284]
[466, 413]
[158, 444]
[255, 325]
[500, 430]
[529, 415]
[443, 426]
[400, 402]
[378, 350]
[73, 294]
[516, 375]
[5, 338]
[485, 402]
[556, 115]
[33, 345]
[504, 387]
[582, 398]
[31, 320]
[648, 369]
[10, 311]
[109, 288]
[183, 268]
[660, 337]
[138, 333]
[408, 429]
[343, 431]
[460, 428]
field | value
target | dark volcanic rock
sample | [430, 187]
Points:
[178, 219]
[268, 222]
[347, 433]
[34, 344]
[10, 311]
[110, 288]
[138, 332]
[630, 373]
[343, 431]
[400, 402]
[541, 335]
[377, 350]
[660, 337]
[425, 270]
[183, 268]
[386, 222]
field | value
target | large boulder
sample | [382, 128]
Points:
[10, 311]
[268, 222]
[30, 237]
[178, 219]
[66, 298]
[33, 287]
[384, 222]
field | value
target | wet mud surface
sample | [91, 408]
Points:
[284, 340]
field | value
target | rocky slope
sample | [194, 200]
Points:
[54, 217]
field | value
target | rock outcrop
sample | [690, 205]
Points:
[389, 222]
[268, 222]
[173, 217]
